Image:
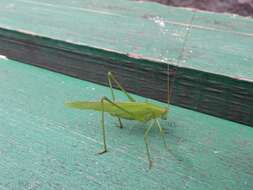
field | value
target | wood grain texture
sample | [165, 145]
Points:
[44, 145]
[213, 73]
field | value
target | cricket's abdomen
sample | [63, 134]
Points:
[139, 111]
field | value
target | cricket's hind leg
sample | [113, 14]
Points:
[103, 128]
[111, 79]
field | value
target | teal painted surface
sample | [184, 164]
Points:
[223, 43]
[218, 43]
[46, 146]
[57, 20]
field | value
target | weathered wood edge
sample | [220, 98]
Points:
[213, 94]
[221, 96]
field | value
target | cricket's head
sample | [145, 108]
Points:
[164, 114]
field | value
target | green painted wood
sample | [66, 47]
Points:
[46, 146]
[209, 55]
[57, 20]
[227, 51]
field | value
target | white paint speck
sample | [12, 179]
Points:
[183, 61]
[159, 21]
[164, 59]
[176, 34]
[234, 16]
[3, 57]
[216, 152]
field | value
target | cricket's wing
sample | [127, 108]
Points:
[126, 110]
[85, 105]
[118, 111]
[98, 106]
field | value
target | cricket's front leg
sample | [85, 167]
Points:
[147, 146]
[162, 135]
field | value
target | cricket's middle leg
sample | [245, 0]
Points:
[103, 122]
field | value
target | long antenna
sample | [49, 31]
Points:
[180, 57]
